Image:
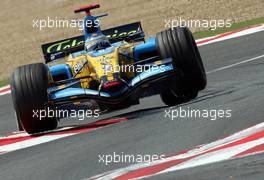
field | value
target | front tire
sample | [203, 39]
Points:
[179, 45]
[29, 85]
[171, 98]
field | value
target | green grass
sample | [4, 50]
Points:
[4, 82]
[235, 26]
[203, 34]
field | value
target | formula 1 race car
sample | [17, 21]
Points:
[113, 68]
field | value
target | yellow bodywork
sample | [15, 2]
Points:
[97, 67]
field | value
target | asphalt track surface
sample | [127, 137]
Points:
[147, 131]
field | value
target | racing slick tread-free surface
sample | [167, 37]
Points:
[170, 98]
[181, 47]
[29, 92]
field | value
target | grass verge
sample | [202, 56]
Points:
[4, 82]
[235, 26]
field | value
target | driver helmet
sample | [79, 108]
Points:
[96, 42]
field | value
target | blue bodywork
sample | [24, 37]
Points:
[61, 69]
[147, 47]
[69, 92]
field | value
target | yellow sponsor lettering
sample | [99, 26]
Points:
[132, 32]
[122, 34]
[80, 43]
[66, 47]
[58, 46]
[73, 43]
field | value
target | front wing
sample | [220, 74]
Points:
[68, 94]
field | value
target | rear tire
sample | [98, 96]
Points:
[29, 85]
[179, 45]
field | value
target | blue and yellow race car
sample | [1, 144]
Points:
[113, 68]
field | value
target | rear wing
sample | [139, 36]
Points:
[59, 49]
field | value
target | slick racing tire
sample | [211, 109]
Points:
[18, 123]
[171, 98]
[29, 85]
[179, 45]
